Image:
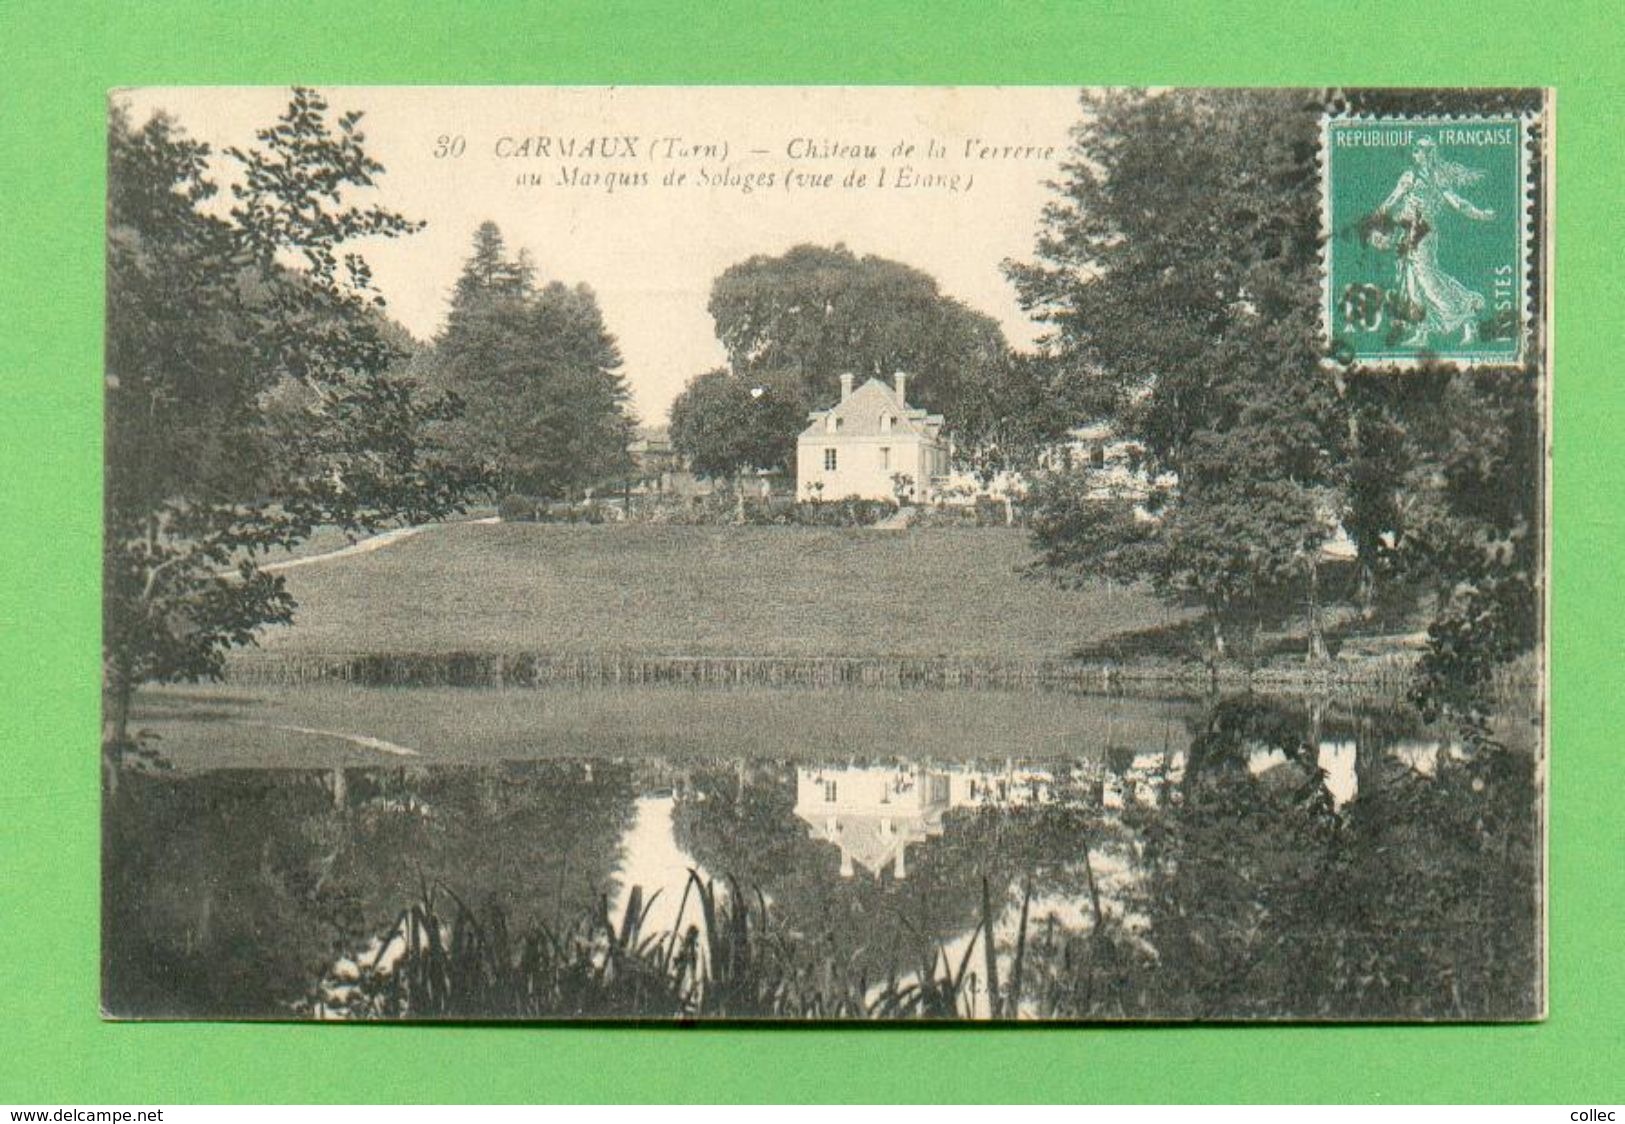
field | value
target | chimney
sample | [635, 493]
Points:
[846, 386]
[902, 387]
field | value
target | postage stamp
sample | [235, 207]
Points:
[1427, 225]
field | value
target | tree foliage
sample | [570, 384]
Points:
[1177, 270]
[726, 425]
[817, 312]
[234, 892]
[1447, 496]
[1173, 271]
[250, 394]
[1263, 897]
[545, 402]
[1014, 421]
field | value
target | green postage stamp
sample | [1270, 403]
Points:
[1427, 251]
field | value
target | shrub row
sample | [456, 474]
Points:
[850, 512]
[528, 509]
[723, 509]
[987, 511]
[777, 511]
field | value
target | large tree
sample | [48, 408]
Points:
[1016, 420]
[727, 425]
[250, 394]
[820, 311]
[1172, 270]
[1178, 271]
[545, 402]
[1447, 477]
[1446, 499]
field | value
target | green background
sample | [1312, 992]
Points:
[60, 58]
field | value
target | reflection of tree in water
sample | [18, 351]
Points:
[1238, 880]
[1234, 881]
[1222, 865]
[230, 893]
[217, 896]
[537, 840]
[1418, 898]
[740, 820]
[1433, 906]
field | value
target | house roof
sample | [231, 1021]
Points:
[870, 845]
[860, 415]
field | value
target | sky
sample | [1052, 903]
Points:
[658, 208]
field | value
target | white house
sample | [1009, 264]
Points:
[871, 444]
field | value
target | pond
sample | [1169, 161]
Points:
[1244, 858]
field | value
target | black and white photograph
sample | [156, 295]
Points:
[826, 554]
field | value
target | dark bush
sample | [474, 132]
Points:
[850, 512]
[722, 509]
[714, 510]
[990, 512]
[574, 513]
[775, 511]
[517, 509]
[946, 515]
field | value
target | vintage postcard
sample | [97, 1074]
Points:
[826, 554]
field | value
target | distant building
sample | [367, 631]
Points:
[1117, 470]
[871, 444]
[660, 468]
[652, 453]
[1118, 465]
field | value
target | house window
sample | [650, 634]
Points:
[829, 792]
[829, 460]
[886, 423]
[885, 460]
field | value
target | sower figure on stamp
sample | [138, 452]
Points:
[1441, 304]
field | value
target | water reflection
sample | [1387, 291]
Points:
[651, 858]
[1265, 859]
[872, 813]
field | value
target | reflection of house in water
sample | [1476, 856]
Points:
[1422, 755]
[1138, 779]
[1150, 775]
[873, 812]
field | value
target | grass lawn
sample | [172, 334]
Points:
[702, 591]
[326, 539]
[225, 726]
